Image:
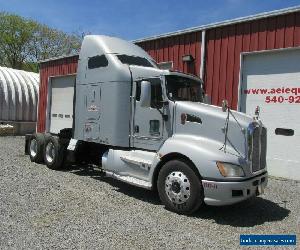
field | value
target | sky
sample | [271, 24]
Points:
[134, 19]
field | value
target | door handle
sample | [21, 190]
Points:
[284, 131]
[136, 129]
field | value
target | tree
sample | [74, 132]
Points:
[49, 42]
[15, 35]
[23, 42]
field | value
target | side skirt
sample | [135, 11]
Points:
[130, 180]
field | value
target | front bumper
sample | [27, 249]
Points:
[218, 193]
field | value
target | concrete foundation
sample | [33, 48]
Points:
[20, 128]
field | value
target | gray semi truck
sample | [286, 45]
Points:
[152, 128]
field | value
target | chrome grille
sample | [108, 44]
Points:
[257, 143]
[256, 150]
[263, 148]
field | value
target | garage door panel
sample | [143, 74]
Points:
[276, 62]
[271, 80]
[61, 96]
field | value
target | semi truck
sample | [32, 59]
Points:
[151, 128]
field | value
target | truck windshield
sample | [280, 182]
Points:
[183, 89]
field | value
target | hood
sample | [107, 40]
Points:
[208, 122]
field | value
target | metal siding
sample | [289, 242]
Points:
[210, 47]
[279, 40]
[254, 36]
[262, 34]
[230, 64]
[166, 50]
[223, 63]
[297, 30]
[64, 66]
[175, 52]
[174, 48]
[271, 33]
[216, 62]
[246, 27]
[186, 51]
[224, 46]
[181, 53]
[289, 31]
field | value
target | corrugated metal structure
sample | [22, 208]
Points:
[54, 67]
[18, 95]
[215, 48]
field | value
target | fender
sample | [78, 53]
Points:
[202, 152]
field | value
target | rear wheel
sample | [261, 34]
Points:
[179, 187]
[36, 148]
[54, 153]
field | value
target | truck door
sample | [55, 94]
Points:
[148, 124]
[91, 129]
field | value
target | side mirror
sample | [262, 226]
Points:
[207, 99]
[145, 94]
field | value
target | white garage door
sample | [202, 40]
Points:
[61, 94]
[271, 80]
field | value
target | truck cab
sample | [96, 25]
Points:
[154, 129]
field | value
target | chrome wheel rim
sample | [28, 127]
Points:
[33, 147]
[177, 187]
[50, 152]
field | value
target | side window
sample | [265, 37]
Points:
[97, 62]
[156, 93]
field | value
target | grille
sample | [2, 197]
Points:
[255, 150]
[263, 148]
[259, 148]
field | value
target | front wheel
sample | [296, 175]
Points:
[179, 187]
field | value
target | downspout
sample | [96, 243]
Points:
[202, 60]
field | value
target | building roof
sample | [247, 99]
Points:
[58, 58]
[222, 23]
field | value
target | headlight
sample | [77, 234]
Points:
[230, 170]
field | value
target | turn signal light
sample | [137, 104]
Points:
[230, 170]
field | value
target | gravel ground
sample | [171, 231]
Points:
[80, 209]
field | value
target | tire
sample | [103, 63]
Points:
[54, 153]
[36, 148]
[179, 187]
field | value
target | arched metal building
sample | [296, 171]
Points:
[18, 99]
